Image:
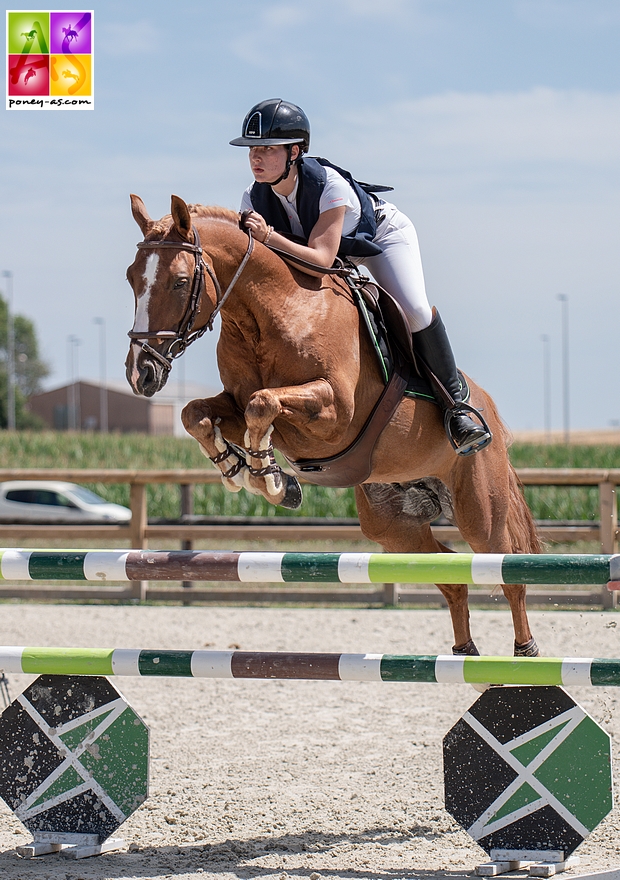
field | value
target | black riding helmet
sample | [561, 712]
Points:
[275, 122]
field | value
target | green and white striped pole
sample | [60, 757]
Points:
[103, 566]
[447, 669]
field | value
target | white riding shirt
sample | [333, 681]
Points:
[398, 268]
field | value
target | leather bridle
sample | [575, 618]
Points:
[184, 335]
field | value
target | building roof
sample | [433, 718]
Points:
[172, 393]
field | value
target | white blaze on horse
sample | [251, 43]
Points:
[300, 374]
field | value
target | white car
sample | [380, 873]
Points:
[50, 501]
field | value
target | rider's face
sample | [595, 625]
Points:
[268, 163]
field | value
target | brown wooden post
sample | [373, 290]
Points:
[187, 509]
[391, 594]
[139, 520]
[608, 513]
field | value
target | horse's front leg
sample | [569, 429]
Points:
[310, 406]
[213, 422]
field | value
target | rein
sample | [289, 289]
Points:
[340, 269]
[183, 337]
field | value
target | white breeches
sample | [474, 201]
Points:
[399, 268]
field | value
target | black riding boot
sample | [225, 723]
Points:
[432, 347]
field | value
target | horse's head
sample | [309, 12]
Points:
[172, 307]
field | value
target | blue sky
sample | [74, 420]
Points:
[497, 122]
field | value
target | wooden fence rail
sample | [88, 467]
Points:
[139, 533]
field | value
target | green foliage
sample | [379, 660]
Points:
[29, 369]
[525, 455]
[25, 420]
[48, 449]
[564, 502]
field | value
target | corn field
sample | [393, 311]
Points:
[61, 449]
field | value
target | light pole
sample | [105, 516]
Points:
[563, 298]
[10, 353]
[547, 385]
[103, 391]
[73, 398]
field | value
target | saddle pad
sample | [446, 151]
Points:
[417, 386]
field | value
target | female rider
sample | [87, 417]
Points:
[316, 211]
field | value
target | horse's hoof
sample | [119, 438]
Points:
[529, 649]
[293, 496]
[469, 649]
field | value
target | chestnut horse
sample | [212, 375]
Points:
[299, 372]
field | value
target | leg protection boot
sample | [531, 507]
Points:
[432, 348]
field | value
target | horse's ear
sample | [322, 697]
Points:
[140, 214]
[181, 217]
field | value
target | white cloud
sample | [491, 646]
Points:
[292, 37]
[384, 10]
[571, 15]
[539, 125]
[135, 38]
[283, 16]
[529, 142]
[275, 42]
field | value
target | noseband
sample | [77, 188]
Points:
[183, 337]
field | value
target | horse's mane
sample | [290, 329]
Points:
[214, 212]
[208, 212]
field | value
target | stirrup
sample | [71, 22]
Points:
[477, 445]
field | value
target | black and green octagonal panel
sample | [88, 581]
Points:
[74, 756]
[527, 769]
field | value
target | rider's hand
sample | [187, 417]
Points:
[257, 225]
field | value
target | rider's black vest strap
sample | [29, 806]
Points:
[312, 179]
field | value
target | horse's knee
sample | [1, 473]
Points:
[262, 408]
[194, 413]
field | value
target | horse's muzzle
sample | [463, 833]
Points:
[146, 375]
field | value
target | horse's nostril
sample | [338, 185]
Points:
[146, 377]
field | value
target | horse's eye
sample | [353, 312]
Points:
[180, 282]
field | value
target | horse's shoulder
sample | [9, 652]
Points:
[306, 282]
[329, 283]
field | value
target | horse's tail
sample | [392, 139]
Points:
[521, 527]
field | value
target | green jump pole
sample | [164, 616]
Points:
[103, 566]
[449, 669]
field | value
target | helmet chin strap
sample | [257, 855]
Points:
[287, 167]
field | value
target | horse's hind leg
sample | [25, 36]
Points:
[386, 517]
[525, 643]
[496, 519]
